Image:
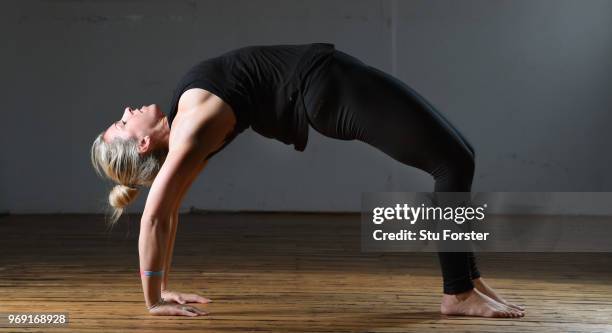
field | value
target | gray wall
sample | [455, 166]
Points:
[527, 82]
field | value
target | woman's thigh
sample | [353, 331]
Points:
[355, 101]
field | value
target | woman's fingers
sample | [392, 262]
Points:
[177, 310]
[188, 313]
[183, 298]
[194, 298]
[197, 298]
[193, 311]
[200, 312]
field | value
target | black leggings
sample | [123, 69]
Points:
[354, 101]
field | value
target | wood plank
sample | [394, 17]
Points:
[280, 273]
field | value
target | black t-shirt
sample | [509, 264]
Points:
[264, 85]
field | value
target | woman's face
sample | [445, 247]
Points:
[136, 123]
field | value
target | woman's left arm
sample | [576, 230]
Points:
[174, 218]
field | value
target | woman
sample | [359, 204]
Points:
[280, 90]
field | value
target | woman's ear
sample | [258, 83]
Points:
[144, 144]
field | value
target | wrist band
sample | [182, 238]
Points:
[151, 273]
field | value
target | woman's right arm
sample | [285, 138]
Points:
[174, 226]
[155, 226]
[201, 110]
[200, 127]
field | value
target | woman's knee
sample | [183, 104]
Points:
[456, 172]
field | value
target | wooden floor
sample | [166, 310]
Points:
[280, 273]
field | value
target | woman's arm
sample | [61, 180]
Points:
[170, 249]
[200, 127]
[174, 224]
[156, 226]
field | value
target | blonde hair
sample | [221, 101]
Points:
[120, 161]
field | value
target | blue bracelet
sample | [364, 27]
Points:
[152, 273]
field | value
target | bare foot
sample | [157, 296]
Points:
[476, 304]
[484, 288]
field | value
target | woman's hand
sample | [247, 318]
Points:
[173, 309]
[182, 298]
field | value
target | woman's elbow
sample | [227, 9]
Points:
[157, 222]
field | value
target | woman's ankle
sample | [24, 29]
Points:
[461, 296]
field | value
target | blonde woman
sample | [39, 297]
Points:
[279, 91]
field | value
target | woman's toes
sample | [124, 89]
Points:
[517, 314]
[512, 311]
[501, 313]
